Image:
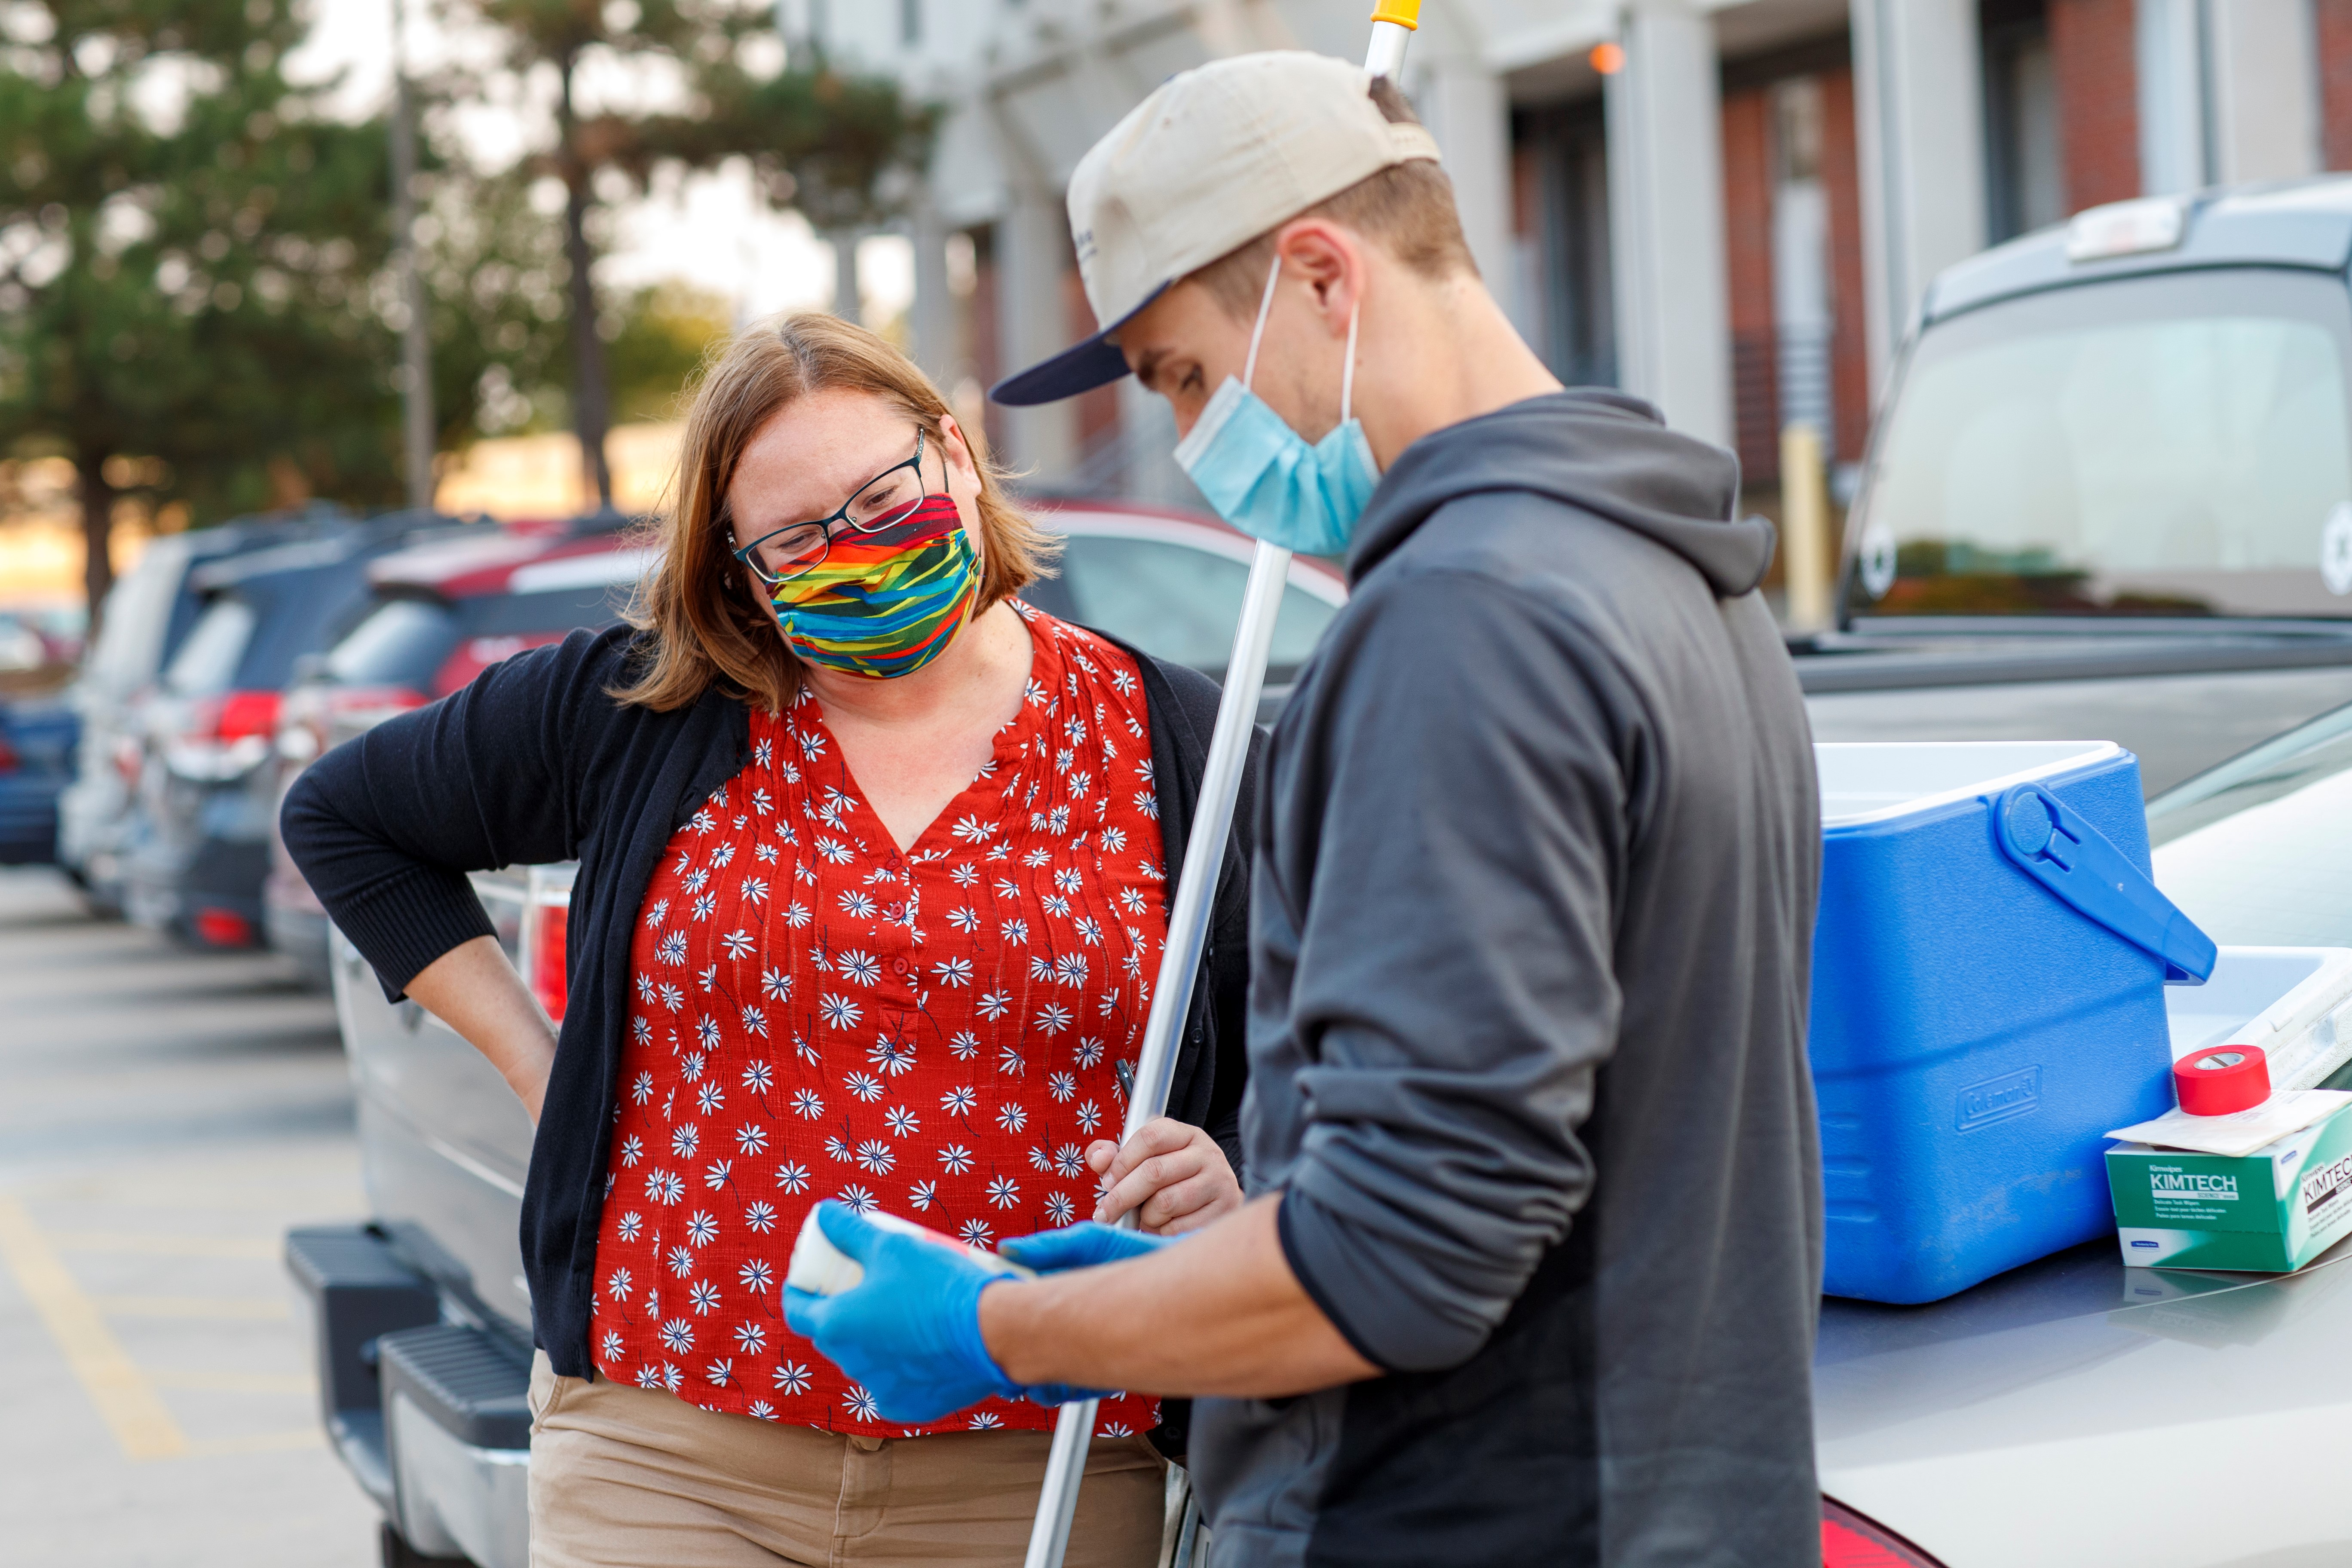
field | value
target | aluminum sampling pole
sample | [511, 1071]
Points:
[1393, 22]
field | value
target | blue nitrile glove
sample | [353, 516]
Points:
[1082, 1246]
[909, 1332]
[1078, 1246]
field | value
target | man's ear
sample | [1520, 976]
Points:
[1330, 261]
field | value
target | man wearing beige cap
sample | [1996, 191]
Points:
[1530, 1266]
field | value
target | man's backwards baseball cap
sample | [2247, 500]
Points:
[1213, 159]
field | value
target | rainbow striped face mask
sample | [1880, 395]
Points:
[887, 601]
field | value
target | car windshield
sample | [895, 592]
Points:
[408, 641]
[400, 643]
[2172, 446]
[206, 663]
[2258, 851]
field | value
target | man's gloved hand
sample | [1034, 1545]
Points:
[909, 1332]
[1079, 1245]
[1082, 1246]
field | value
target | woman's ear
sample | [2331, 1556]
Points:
[957, 449]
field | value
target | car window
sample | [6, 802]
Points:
[2259, 850]
[2164, 445]
[1181, 604]
[400, 643]
[206, 663]
[130, 643]
[551, 610]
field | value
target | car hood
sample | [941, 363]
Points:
[2079, 1411]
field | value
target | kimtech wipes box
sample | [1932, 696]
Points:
[2272, 1209]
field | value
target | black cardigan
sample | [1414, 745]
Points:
[534, 763]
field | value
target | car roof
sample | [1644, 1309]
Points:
[515, 558]
[2301, 224]
[1130, 520]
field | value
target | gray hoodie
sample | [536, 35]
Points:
[1539, 852]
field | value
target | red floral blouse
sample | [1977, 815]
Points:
[934, 1033]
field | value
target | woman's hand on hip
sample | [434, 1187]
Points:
[474, 990]
[1172, 1170]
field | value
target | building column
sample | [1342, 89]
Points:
[1468, 109]
[1033, 247]
[932, 316]
[2264, 89]
[1665, 218]
[2228, 92]
[2175, 154]
[1920, 119]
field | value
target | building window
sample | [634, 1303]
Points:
[1573, 319]
[2025, 182]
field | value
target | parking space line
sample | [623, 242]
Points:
[259, 1443]
[163, 1246]
[124, 1399]
[190, 1306]
[235, 1381]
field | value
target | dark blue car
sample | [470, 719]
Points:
[38, 737]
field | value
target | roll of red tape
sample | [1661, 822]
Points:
[2218, 1081]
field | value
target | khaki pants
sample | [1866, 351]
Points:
[630, 1477]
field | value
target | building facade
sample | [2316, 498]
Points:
[1729, 207]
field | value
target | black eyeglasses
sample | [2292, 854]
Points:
[880, 502]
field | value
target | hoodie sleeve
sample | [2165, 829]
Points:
[1453, 990]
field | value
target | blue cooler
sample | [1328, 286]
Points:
[1988, 976]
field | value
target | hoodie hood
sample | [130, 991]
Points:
[1602, 452]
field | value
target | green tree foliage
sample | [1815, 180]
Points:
[657, 337]
[841, 147]
[187, 257]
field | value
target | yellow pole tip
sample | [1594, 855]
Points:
[1403, 13]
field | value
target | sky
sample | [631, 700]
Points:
[707, 229]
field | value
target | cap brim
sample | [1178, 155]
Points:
[1081, 367]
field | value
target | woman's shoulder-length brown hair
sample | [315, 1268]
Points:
[703, 621]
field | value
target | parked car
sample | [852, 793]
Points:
[37, 750]
[433, 1424]
[2110, 493]
[198, 846]
[2079, 1411]
[440, 614]
[148, 615]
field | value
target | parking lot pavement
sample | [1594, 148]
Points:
[165, 1116]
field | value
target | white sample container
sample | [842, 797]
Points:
[2295, 1002]
[822, 1269]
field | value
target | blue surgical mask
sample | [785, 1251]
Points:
[1262, 477]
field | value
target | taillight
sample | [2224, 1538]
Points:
[9, 761]
[227, 736]
[224, 928]
[321, 716]
[1850, 1541]
[546, 920]
[246, 714]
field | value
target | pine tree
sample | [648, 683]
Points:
[185, 290]
[836, 144]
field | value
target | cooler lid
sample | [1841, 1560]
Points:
[1881, 781]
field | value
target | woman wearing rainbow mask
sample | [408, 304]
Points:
[872, 880]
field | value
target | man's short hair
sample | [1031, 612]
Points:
[1407, 207]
